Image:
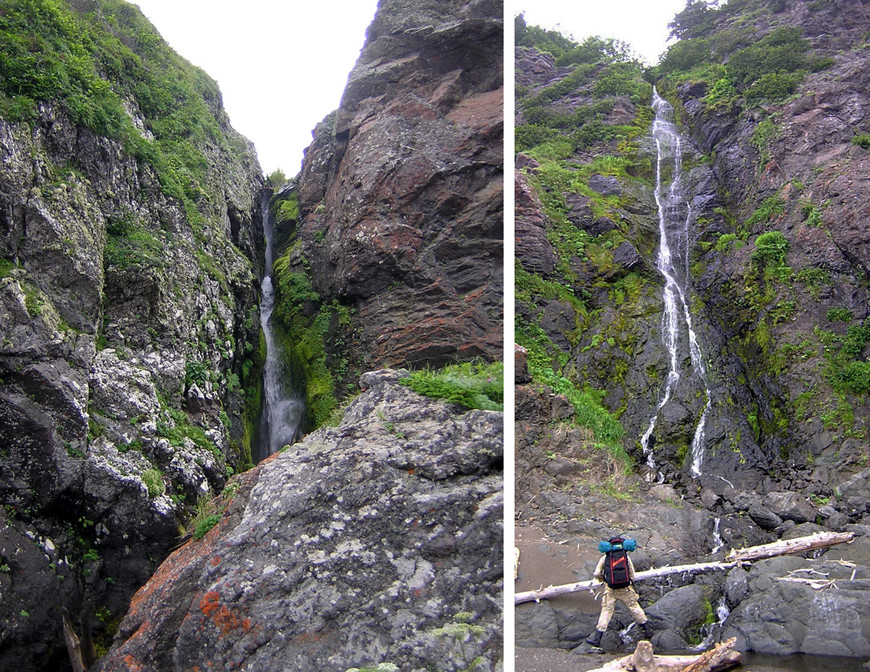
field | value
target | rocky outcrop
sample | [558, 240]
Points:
[124, 321]
[376, 541]
[400, 195]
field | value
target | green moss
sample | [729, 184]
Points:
[770, 249]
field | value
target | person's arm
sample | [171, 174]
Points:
[599, 570]
[630, 568]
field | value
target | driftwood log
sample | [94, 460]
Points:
[721, 657]
[73, 644]
[783, 547]
[735, 557]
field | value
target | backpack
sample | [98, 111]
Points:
[616, 574]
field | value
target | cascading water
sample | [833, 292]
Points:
[282, 408]
[675, 214]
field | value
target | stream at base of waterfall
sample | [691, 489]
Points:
[672, 261]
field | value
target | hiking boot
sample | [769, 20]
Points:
[647, 630]
[594, 638]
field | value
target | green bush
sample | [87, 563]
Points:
[862, 140]
[770, 249]
[472, 385]
[532, 135]
[770, 207]
[839, 315]
[781, 51]
[595, 50]
[773, 86]
[195, 373]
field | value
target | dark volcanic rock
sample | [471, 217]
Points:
[401, 192]
[531, 246]
[359, 545]
[114, 299]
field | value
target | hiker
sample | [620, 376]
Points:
[616, 570]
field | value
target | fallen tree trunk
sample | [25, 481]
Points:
[554, 591]
[813, 541]
[735, 557]
[722, 657]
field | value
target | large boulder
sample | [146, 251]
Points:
[379, 540]
[784, 613]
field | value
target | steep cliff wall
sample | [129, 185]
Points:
[769, 97]
[781, 265]
[131, 230]
[398, 248]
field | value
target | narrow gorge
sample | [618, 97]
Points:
[692, 326]
[169, 320]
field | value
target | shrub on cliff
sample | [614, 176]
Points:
[470, 384]
[770, 249]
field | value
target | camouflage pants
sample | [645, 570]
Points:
[628, 597]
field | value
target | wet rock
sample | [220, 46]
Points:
[681, 610]
[736, 586]
[521, 366]
[790, 506]
[532, 248]
[764, 517]
[627, 257]
[783, 617]
[605, 185]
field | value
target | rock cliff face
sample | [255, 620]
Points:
[128, 265]
[774, 127]
[400, 195]
[376, 541]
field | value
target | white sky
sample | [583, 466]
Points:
[641, 23]
[281, 66]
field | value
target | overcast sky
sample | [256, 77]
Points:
[281, 66]
[641, 23]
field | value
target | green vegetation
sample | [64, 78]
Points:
[770, 207]
[128, 243]
[92, 62]
[759, 70]
[153, 479]
[180, 429]
[204, 526]
[847, 371]
[770, 249]
[206, 515]
[470, 384]
[862, 140]
[306, 322]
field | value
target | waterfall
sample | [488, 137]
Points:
[675, 214]
[282, 408]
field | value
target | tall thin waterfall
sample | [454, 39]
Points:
[282, 408]
[675, 213]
